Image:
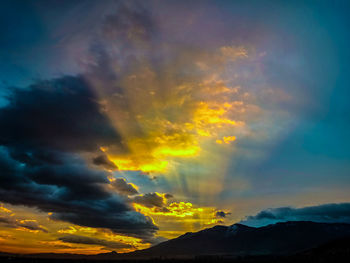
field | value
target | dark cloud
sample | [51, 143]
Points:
[329, 213]
[61, 114]
[74, 179]
[102, 160]
[221, 214]
[10, 221]
[151, 199]
[93, 241]
[123, 187]
[72, 192]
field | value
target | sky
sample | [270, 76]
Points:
[127, 123]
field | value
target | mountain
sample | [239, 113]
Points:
[298, 239]
[239, 240]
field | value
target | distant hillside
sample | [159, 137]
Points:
[240, 240]
[298, 240]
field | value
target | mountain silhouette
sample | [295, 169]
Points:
[299, 239]
[240, 240]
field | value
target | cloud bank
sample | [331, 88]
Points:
[328, 213]
[46, 128]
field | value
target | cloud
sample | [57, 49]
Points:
[72, 192]
[221, 214]
[93, 241]
[151, 199]
[329, 213]
[102, 160]
[4, 209]
[123, 187]
[165, 104]
[28, 224]
[56, 115]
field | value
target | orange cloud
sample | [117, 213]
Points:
[4, 209]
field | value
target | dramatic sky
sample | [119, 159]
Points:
[126, 123]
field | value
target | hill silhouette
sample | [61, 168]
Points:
[240, 240]
[297, 240]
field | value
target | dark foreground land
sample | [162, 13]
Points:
[253, 259]
[281, 242]
[335, 251]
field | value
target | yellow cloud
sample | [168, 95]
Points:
[166, 118]
[4, 209]
[226, 139]
[69, 230]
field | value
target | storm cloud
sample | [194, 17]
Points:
[123, 187]
[152, 199]
[329, 213]
[45, 129]
[71, 192]
[61, 114]
[102, 160]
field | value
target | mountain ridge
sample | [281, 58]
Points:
[238, 239]
[284, 238]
